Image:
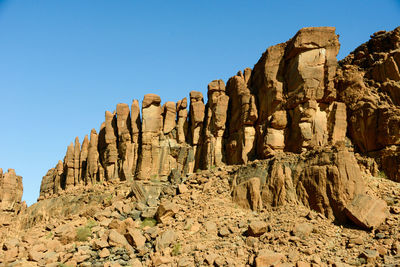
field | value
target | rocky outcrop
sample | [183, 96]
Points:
[10, 191]
[298, 109]
[368, 82]
[325, 180]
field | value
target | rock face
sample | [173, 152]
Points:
[325, 180]
[10, 190]
[298, 109]
[368, 83]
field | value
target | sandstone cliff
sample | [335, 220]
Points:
[298, 132]
[296, 100]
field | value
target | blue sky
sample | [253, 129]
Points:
[63, 63]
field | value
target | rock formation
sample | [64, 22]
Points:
[10, 190]
[368, 83]
[298, 109]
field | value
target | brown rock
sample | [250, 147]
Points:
[267, 258]
[104, 253]
[367, 211]
[166, 210]
[247, 194]
[34, 255]
[370, 256]
[116, 239]
[165, 240]
[257, 228]
[135, 238]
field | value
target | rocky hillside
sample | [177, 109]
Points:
[235, 181]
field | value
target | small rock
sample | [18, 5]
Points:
[303, 264]
[211, 227]
[184, 262]
[99, 243]
[395, 210]
[224, 231]
[210, 258]
[369, 255]
[160, 260]
[182, 189]
[356, 240]
[266, 258]
[135, 238]
[104, 253]
[380, 236]
[257, 228]
[303, 230]
[165, 211]
[116, 238]
[165, 240]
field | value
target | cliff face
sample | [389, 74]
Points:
[368, 82]
[297, 99]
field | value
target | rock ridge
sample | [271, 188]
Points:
[297, 100]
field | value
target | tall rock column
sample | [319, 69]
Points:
[77, 152]
[196, 119]
[182, 114]
[83, 158]
[152, 126]
[136, 128]
[125, 145]
[267, 79]
[110, 152]
[213, 151]
[10, 190]
[242, 115]
[69, 172]
[93, 163]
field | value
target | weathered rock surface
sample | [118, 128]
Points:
[325, 180]
[10, 197]
[297, 109]
[368, 82]
[367, 212]
[10, 190]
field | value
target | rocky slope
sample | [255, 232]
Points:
[235, 181]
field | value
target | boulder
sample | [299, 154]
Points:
[367, 211]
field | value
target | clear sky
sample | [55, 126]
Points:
[63, 63]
